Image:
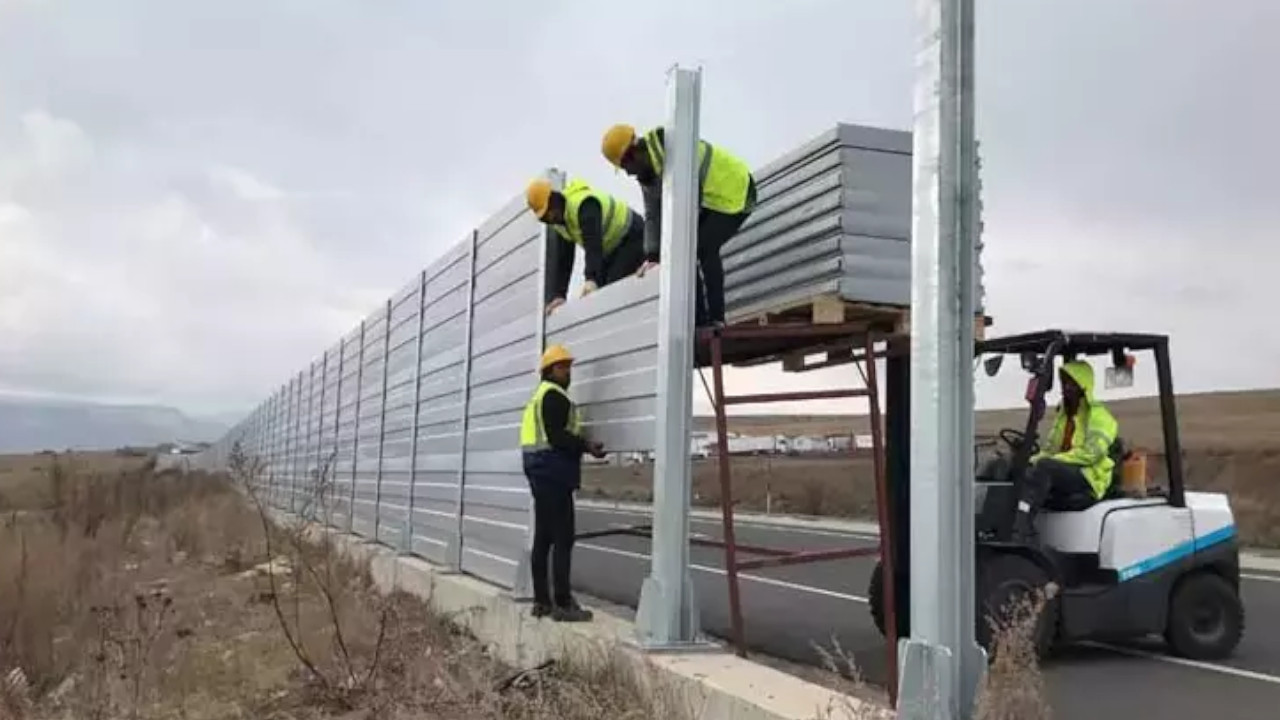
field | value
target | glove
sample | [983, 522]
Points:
[555, 303]
[588, 287]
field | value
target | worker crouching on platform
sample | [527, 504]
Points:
[610, 233]
[727, 196]
[1076, 460]
[552, 443]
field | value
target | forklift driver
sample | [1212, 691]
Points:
[1075, 461]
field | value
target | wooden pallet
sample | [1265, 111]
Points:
[831, 309]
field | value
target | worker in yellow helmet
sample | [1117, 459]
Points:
[552, 444]
[727, 196]
[610, 233]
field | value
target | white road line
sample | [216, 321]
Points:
[744, 576]
[741, 522]
[1197, 664]
[1262, 578]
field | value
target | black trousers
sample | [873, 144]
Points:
[714, 230]
[627, 258]
[1055, 484]
[553, 531]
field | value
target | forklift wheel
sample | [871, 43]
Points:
[1206, 617]
[1005, 580]
[875, 597]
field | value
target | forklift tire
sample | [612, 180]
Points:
[1206, 617]
[1004, 580]
[875, 597]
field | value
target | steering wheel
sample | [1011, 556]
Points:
[1015, 439]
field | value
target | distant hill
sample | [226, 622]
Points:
[34, 424]
[1241, 420]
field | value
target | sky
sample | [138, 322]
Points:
[197, 199]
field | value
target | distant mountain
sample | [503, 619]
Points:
[34, 424]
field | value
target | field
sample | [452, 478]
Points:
[130, 594]
[1231, 443]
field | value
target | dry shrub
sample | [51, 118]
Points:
[1014, 687]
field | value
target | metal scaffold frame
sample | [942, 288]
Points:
[856, 334]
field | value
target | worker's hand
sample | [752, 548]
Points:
[645, 267]
[555, 303]
[588, 287]
[595, 448]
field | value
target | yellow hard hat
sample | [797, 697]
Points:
[553, 355]
[538, 196]
[616, 141]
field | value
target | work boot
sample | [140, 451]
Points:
[571, 612]
[541, 609]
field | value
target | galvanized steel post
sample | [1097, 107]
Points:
[668, 614]
[456, 555]
[308, 477]
[337, 425]
[940, 664]
[382, 421]
[406, 540]
[355, 434]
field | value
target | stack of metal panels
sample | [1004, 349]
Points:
[833, 218]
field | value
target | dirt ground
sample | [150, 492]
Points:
[126, 594]
[1231, 443]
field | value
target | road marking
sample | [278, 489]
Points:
[1197, 664]
[752, 523]
[744, 576]
[1263, 578]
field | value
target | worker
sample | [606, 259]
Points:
[610, 233]
[552, 444]
[727, 196]
[1076, 460]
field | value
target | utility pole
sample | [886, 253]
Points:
[942, 664]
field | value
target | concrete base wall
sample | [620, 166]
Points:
[703, 685]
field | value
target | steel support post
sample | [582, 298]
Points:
[337, 426]
[308, 479]
[455, 554]
[668, 614]
[382, 423]
[355, 437]
[406, 536]
[940, 665]
[322, 468]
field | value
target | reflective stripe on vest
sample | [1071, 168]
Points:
[615, 215]
[723, 178]
[533, 434]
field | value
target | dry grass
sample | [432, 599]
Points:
[127, 594]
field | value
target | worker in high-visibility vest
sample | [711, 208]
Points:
[609, 232]
[552, 444]
[726, 198]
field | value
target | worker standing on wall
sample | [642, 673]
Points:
[552, 443]
[727, 196]
[610, 233]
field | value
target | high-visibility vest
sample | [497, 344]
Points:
[615, 215]
[723, 178]
[533, 433]
[1091, 438]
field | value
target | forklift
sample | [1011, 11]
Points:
[1125, 567]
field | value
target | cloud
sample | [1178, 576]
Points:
[196, 200]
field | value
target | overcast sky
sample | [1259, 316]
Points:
[196, 199]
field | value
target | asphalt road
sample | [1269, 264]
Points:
[789, 610]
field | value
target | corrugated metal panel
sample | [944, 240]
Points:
[613, 335]
[349, 398]
[438, 464]
[833, 217]
[397, 437]
[369, 428]
[503, 361]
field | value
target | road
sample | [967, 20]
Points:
[789, 610]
